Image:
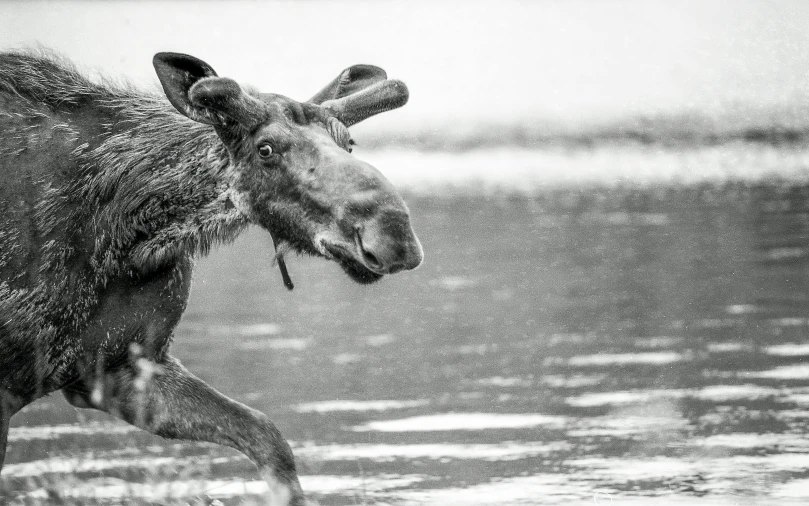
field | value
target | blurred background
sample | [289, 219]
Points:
[614, 306]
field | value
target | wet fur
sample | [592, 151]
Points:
[106, 196]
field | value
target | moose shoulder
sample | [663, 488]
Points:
[107, 194]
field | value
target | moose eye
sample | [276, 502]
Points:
[264, 150]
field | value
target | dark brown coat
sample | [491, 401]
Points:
[106, 196]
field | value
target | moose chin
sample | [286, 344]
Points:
[107, 196]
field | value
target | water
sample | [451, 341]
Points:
[574, 344]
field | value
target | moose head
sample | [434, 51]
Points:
[291, 170]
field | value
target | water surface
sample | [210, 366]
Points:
[566, 345]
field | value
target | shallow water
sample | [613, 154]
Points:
[562, 346]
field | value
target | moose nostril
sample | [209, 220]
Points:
[368, 257]
[371, 259]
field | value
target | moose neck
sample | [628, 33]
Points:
[161, 189]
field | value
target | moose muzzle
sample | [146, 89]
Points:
[387, 244]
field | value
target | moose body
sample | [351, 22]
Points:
[108, 194]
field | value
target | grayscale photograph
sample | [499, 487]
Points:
[404, 253]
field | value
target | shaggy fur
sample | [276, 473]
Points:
[138, 194]
[107, 195]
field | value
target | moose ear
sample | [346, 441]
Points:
[195, 90]
[226, 97]
[178, 73]
[350, 81]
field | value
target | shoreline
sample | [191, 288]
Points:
[526, 171]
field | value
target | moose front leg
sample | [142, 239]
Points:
[5, 417]
[171, 402]
[9, 404]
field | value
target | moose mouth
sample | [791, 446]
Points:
[351, 257]
[347, 259]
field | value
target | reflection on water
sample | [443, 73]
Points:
[564, 347]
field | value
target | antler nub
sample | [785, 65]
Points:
[380, 97]
[350, 80]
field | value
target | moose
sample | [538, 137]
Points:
[108, 195]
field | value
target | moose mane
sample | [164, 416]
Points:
[45, 77]
[149, 175]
